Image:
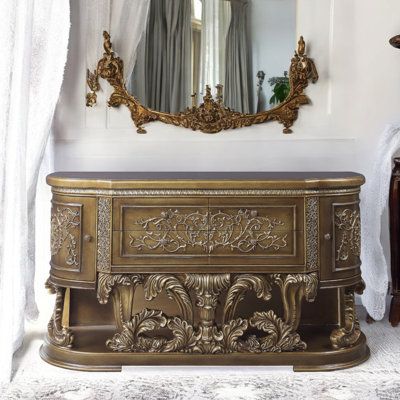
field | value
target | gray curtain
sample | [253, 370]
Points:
[237, 93]
[168, 55]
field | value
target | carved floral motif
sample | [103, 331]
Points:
[63, 220]
[348, 227]
[243, 231]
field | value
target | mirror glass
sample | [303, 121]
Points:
[244, 45]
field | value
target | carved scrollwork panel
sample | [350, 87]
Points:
[206, 232]
[211, 116]
[65, 235]
[348, 234]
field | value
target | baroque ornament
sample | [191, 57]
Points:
[104, 234]
[348, 224]
[211, 116]
[349, 334]
[312, 242]
[63, 221]
[141, 332]
[59, 335]
[244, 231]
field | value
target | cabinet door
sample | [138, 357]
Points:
[341, 236]
[73, 230]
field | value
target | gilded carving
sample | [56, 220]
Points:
[295, 287]
[347, 335]
[280, 335]
[348, 225]
[241, 284]
[211, 116]
[312, 242]
[104, 205]
[140, 332]
[106, 283]
[63, 220]
[243, 231]
[136, 335]
[154, 284]
[172, 232]
[58, 335]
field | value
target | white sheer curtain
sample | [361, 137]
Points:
[125, 20]
[216, 17]
[34, 45]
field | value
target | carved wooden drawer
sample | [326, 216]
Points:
[264, 231]
[73, 233]
[145, 229]
[209, 231]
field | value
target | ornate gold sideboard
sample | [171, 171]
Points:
[205, 268]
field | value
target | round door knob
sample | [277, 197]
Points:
[327, 236]
[87, 238]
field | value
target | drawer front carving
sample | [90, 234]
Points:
[267, 231]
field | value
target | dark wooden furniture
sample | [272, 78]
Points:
[205, 268]
[394, 217]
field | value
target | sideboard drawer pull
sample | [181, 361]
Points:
[327, 236]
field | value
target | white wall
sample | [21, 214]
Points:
[273, 39]
[357, 94]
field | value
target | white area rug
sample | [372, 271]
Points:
[378, 378]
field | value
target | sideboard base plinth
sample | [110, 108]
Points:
[90, 354]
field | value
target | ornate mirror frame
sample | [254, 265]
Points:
[211, 116]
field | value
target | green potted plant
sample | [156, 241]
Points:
[281, 88]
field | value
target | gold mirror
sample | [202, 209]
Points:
[211, 65]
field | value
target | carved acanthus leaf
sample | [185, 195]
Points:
[280, 336]
[106, 282]
[241, 284]
[154, 284]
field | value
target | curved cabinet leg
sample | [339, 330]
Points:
[295, 287]
[349, 333]
[58, 330]
[122, 289]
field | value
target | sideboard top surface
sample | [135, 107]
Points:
[205, 180]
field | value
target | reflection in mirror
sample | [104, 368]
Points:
[245, 45]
